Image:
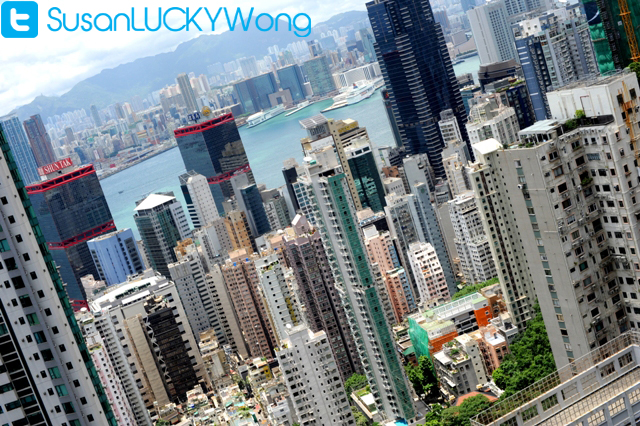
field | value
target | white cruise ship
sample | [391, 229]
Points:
[352, 95]
[262, 116]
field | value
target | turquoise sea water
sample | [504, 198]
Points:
[267, 146]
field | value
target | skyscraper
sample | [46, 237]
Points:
[95, 115]
[161, 223]
[357, 286]
[241, 279]
[39, 140]
[214, 149]
[291, 79]
[187, 92]
[14, 134]
[72, 209]
[317, 292]
[116, 256]
[250, 201]
[576, 247]
[200, 203]
[253, 93]
[419, 89]
[492, 32]
[319, 75]
[42, 345]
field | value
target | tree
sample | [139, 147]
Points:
[423, 378]
[355, 382]
[470, 289]
[461, 415]
[530, 359]
[635, 67]
[361, 419]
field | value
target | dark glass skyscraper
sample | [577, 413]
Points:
[214, 149]
[291, 78]
[417, 72]
[319, 75]
[253, 93]
[39, 140]
[72, 209]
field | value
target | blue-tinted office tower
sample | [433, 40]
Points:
[116, 256]
[20, 148]
[418, 74]
[214, 149]
[72, 209]
[253, 93]
[291, 78]
[250, 201]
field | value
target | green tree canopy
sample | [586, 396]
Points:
[635, 67]
[530, 359]
[470, 289]
[355, 382]
[457, 416]
[423, 378]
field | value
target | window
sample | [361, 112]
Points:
[33, 319]
[40, 337]
[68, 407]
[4, 245]
[562, 187]
[47, 355]
[566, 203]
[25, 301]
[61, 390]
[584, 265]
[558, 171]
[18, 282]
[54, 372]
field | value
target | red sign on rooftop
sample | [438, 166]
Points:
[54, 167]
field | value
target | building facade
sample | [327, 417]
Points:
[39, 140]
[116, 256]
[17, 139]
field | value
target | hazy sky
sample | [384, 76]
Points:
[53, 62]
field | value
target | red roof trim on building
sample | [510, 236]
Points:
[85, 236]
[214, 180]
[200, 127]
[60, 180]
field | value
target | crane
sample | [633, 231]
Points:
[625, 15]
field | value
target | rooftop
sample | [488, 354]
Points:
[136, 289]
[582, 392]
[152, 201]
[487, 146]
[311, 122]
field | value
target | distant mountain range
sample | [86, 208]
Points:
[145, 75]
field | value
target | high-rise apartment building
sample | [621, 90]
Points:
[238, 231]
[291, 79]
[39, 140]
[515, 93]
[554, 49]
[149, 340]
[243, 284]
[420, 89]
[48, 374]
[72, 209]
[187, 93]
[116, 256]
[14, 134]
[249, 66]
[214, 149]
[429, 275]
[309, 368]
[317, 293]
[200, 203]
[472, 245]
[490, 118]
[188, 274]
[492, 32]
[108, 377]
[277, 282]
[319, 75]
[382, 251]
[357, 286]
[575, 250]
[276, 208]
[214, 238]
[161, 223]
[365, 175]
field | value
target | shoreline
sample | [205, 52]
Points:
[134, 163]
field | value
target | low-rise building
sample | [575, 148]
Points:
[459, 367]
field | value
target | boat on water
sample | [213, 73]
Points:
[302, 105]
[354, 94]
[262, 116]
